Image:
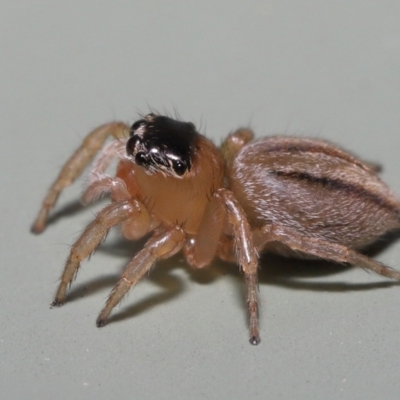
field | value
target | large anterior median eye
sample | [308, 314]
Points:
[179, 167]
[140, 158]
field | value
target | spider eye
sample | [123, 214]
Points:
[179, 167]
[140, 158]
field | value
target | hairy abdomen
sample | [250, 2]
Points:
[315, 188]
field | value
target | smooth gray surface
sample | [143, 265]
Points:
[328, 69]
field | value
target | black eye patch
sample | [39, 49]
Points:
[163, 144]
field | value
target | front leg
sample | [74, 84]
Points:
[75, 165]
[159, 246]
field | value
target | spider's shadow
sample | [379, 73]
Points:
[274, 270]
[68, 210]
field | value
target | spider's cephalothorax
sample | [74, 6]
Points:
[160, 143]
[172, 169]
[281, 194]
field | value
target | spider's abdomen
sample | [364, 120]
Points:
[315, 188]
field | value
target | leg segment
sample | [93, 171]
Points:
[226, 245]
[210, 240]
[158, 246]
[327, 250]
[116, 148]
[247, 257]
[234, 142]
[94, 233]
[202, 250]
[75, 165]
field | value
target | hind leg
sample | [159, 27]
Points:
[324, 249]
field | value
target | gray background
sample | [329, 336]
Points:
[326, 69]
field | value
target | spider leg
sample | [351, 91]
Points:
[234, 142]
[159, 246]
[247, 257]
[200, 253]
[226, 245]
[75, 165]
[91, 237]
[210, 240]
[327, 250]
[104, 158]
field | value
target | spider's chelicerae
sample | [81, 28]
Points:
[289, 195]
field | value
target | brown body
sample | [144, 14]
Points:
[295, 196]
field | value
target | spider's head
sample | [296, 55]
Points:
[162, 144]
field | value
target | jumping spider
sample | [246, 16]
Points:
[289, 195]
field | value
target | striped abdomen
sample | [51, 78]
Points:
[315, 188]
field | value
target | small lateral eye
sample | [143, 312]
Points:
[136, 125]
[179, 167]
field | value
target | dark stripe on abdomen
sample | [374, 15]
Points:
[337, 185]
